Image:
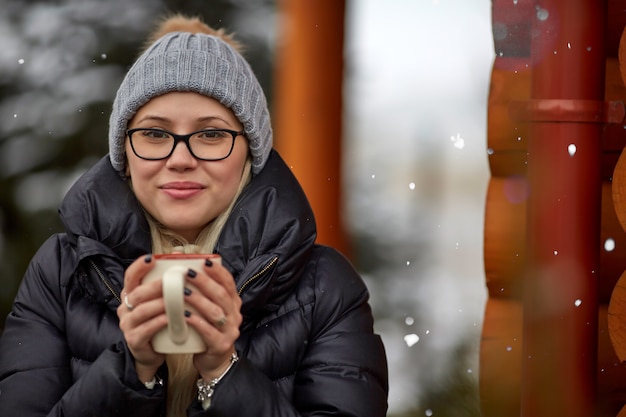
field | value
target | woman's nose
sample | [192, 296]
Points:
[181, 157]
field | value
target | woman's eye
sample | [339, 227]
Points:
[212, 134]
[156, 134]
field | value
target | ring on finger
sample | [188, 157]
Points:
[221, 322]
[128, 305]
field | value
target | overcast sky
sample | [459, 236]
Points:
[417, 82]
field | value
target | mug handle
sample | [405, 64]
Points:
[173, 294]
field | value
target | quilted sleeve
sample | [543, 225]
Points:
[35, 373]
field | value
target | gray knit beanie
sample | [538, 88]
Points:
[199, 63]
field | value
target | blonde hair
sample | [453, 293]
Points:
[182, 374]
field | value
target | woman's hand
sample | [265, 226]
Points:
[142, 315]
[217, 318]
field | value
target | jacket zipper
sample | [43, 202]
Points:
[257, 275]
[105, 281]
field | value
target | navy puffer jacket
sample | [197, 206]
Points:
[307, 345]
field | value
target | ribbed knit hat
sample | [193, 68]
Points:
[199, 63]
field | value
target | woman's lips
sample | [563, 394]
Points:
[182, 190]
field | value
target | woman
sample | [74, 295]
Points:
[286, 322]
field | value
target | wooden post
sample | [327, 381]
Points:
[564, 172]
[307, 110]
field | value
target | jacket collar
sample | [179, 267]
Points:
[101, 210]
[268, 237]
[265, 243]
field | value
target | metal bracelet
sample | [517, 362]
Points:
[206, 389]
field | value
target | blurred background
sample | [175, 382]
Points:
[416, 81]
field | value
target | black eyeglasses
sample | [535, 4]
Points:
[206, 145]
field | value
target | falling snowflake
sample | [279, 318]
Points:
[458, 141]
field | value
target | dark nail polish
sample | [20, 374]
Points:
[208, 262]
[191, 273]
[187, 313]
[187, 291]
[148, 258]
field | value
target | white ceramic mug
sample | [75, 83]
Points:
[178, 336]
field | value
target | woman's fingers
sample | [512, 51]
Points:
[142, 314]
[147, 316]
[132, 296]
[216, 310]
[221, 275]
[217, 284]
[139, 327]
[141, 294]
[136, 271]
[218, 315]
[212, 295]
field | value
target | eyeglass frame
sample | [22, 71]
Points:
[182, 138]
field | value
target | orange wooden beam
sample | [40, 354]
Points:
[307, 110]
